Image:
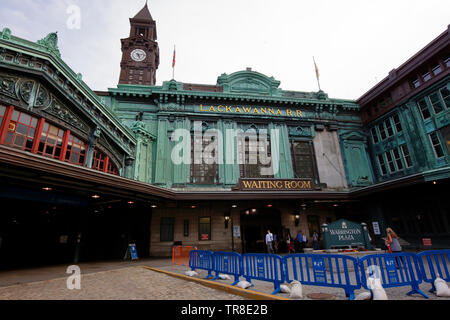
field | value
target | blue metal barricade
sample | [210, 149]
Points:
[264, 267]
[227, 263]
[392, 270]
[433, 264]
[200, 259]
[324, 270]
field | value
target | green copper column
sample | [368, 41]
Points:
[181, 172]
[230, 170]
[282, 146]
[163, 161]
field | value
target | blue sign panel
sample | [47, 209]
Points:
[391, 268]
[260, 267]
[133, 251]
[320, 274]
[225, 264]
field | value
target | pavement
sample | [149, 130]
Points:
[119, 280]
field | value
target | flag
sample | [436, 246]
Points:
[317, 69]
[173, 62]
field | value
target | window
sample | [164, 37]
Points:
[21, 130]
[251, 150]
[447, 62]
[51, 141]
[416, 83]
[303, 160]
[373, 131]
[436, 102]
[2, 114]
[204, 169]
[390, 131]
[382, 131]
[382, 164]
[166, 229]
[446, 135]
[436, 145]
[445, 94]
[424, 109]
[426, 76]
[397, 124]
[406, 155]
[186, 228]
[112, 169]
[437, 69]
[99, 161]
[397, 158]
[204, 229]
[390, 161]
[76, 151]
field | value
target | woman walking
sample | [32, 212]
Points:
[393, 244]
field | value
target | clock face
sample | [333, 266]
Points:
[138, 55]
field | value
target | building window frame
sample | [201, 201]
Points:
[406, 156]
[204, 228]
[166, 230]
[436, 144]
[382, 164]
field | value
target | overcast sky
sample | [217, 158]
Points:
[355, 42]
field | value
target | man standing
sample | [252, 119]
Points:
[298, 242]
[304, 241]
[316, 241]
[269, 242]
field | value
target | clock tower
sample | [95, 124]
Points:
[140, 51]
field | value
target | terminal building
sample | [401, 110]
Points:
[84, 173]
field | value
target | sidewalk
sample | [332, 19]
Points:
[29, 275]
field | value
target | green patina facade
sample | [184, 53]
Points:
[331, 163]
[247, 99]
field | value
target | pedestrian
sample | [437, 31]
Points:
[275, 243]
[304, 241]
[298, 241]
[269, 242]
[316, 241]
[392, 243]
[289, 244]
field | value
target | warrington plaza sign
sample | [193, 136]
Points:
[275, 185]
[344, 233]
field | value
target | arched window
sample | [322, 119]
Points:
[112, 169]
[76, 150]
[51, 141]
[21, 130]
[26, 132]
[99, 161]
[102, 162]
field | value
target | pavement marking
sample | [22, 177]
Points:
[249, 294]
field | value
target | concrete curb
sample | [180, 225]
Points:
[249, 294]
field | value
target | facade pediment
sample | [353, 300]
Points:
[249, 82]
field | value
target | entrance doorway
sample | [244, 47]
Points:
[36, 233]
[254, 224]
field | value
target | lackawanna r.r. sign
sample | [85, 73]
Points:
[275, 185]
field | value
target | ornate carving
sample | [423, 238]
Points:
[25, 89]
[171, 107]
[51, 43]
[7, 86]
[42, 98]
[6, 34]
[300, 132]
[61, 112]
